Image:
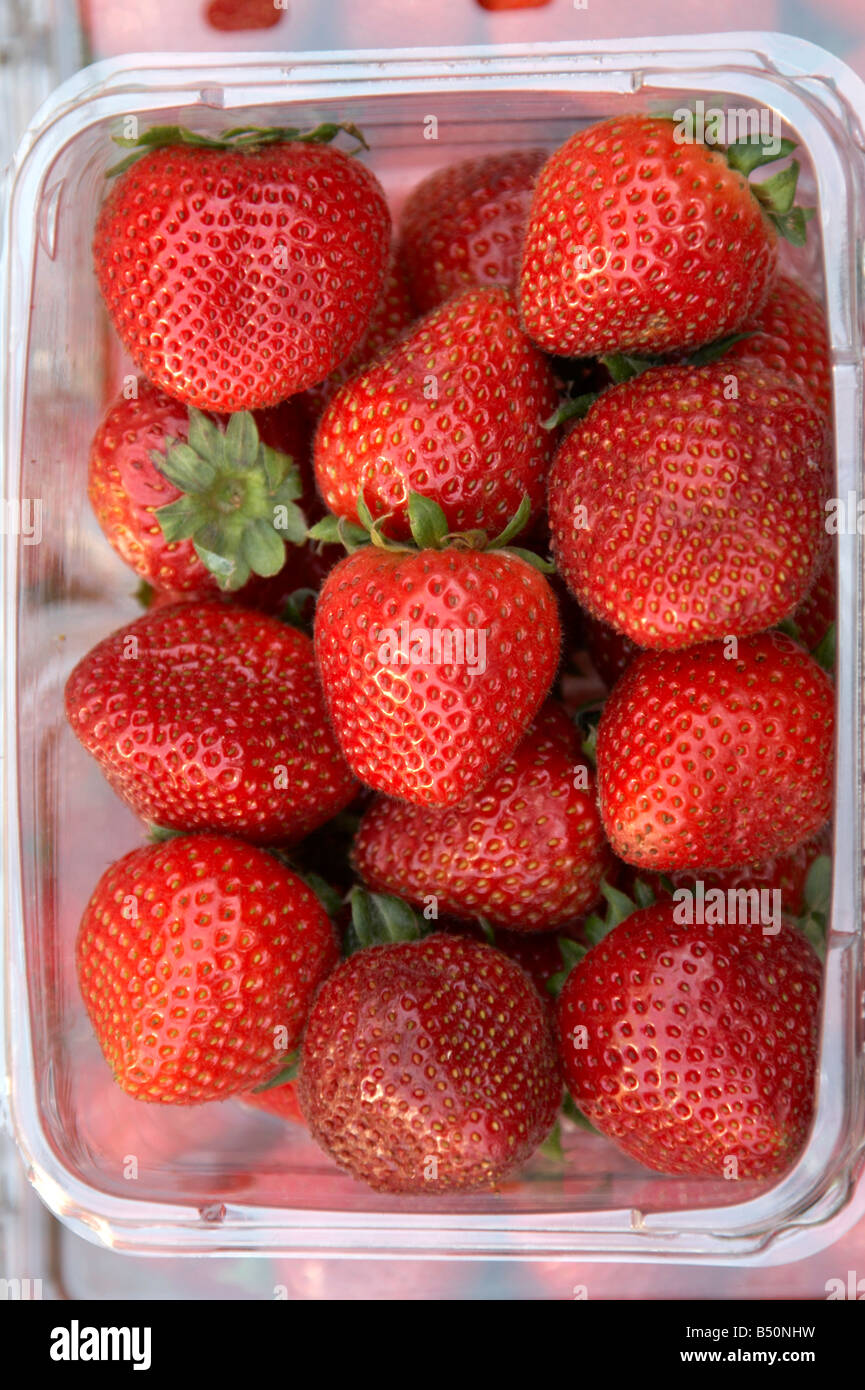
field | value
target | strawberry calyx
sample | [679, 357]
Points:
[777, 194]
[239, 498]
[623, 366]
[248, 138]
[814, 921]
[379, 919]
[824, 652]
[287, 1072]
[429, 530]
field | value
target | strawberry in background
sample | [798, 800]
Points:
[463, 226]
[526, 851]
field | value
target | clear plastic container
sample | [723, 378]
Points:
[221, 1178]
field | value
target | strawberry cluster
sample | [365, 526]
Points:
[388, 789]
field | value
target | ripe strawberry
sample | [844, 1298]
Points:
[787, 872]
[434, 662]
[711, 762]
[678, 514]
[204, 716]
[453, 412]
[198, 960]
[640, 240]
[815, 615]
[390, 318]
[611, 653]
[790, 335]
[280, 1101]
[525, 851]
[238, 272]
[133, 458]
[694, 1047]
[463, 226]
[429, 1066]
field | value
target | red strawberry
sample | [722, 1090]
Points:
[526, 851]
[709, 761]
[816, 613]
[786, 872]
[679, 514]
[610, 651]
[129, 484]
[464, 225]
[210, 717]
[641, 240]
[280, 1101]
[790, 335]
[237, 273]
[428, 1066]
[694, 1047]
[434, 663]
[453, 412]
[390, 318]
[198, 960]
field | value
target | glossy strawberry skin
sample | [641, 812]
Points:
[789, 334]
[453, 412]
[708, 762]
[678, 515]
[429, 1066]
[785, 872]
[691, 1046]
[392, 316]
[126, 488]
[210, 717]
[526, 851]
[188, 250]
[191, 956]
[639, 243]
[463, 226]
[432, 733]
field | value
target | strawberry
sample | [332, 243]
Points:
[453, 412]
[526, 851]
[390, 318]
[640, 239]
[205, 716]
[239, 271]
[150, 452]
[814, 619]
[712, 758]
[434, 661]
[787, 872]
[693, 1048]
[681, 511]
[198, 959]
[790, 335]
[429, 1066]
[463, 225]
[609, 650]
[280, 1101]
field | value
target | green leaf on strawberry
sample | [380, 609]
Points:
[378, 919]
[238, 138]
[238, 505]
